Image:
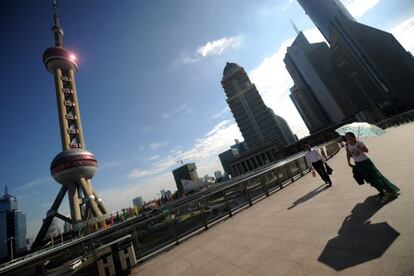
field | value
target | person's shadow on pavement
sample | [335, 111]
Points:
[309, 195]
[358, 240]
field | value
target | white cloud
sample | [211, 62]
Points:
[152, 158]
[138, 173]
[217, 47]
[404, 32]
[213, 48]
[110, 165]
[184, 108]
[35, 183]
[359, 7]
[221, 113]
[146, 129]
[156, 146]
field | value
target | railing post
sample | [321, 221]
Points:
[94, 255]
[227, 203]
[288, 173]
[172, 226]
[246, 192]
[279, 182]
[299, 167]
[202, 215]
[136, 240]
[263, 180]
[306, 163]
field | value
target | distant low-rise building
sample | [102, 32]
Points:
[228, 156]
[138, 202]
[218, 175]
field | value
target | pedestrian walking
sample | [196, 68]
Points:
[366, 168]
[317, 163]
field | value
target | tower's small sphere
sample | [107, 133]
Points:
[59, 57]
[71, 165]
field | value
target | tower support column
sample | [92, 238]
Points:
[62, 109]
[77, 110]
[87, 190]
[74, 202]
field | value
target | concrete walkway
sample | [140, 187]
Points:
[308, 229]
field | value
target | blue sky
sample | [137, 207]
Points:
[148, 84]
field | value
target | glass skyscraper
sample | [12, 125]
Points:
[12, 228]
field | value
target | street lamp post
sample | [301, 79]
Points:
[11, 247]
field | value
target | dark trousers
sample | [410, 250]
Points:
[321, 170]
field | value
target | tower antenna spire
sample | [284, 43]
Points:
[295, 27]
[57, 29]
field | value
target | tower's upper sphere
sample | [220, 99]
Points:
[71, 165]
[59, 57]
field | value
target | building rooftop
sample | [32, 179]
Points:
[308, 229]
[229, 68]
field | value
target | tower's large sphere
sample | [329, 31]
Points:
[59, 57]
[71, 165]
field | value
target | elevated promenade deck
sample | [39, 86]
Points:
[309, 229]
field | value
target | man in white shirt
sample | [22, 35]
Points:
[316, 162]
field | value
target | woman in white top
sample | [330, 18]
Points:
[357, 150]
[316, 162]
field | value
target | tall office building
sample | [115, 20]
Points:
[255, 120]
[318, 94]
[187, 172]
[309, 108]
[12, 227]
[374, 68]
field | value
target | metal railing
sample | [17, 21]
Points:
[170, 226]
[397, 120]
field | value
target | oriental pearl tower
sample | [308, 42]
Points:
[75, 166]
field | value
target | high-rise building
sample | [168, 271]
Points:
[12, 228]
[309, 109]
[255, 120]
[74, 167]
[376, 71]
[187, 171]
[318, 95]
[324, 12]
